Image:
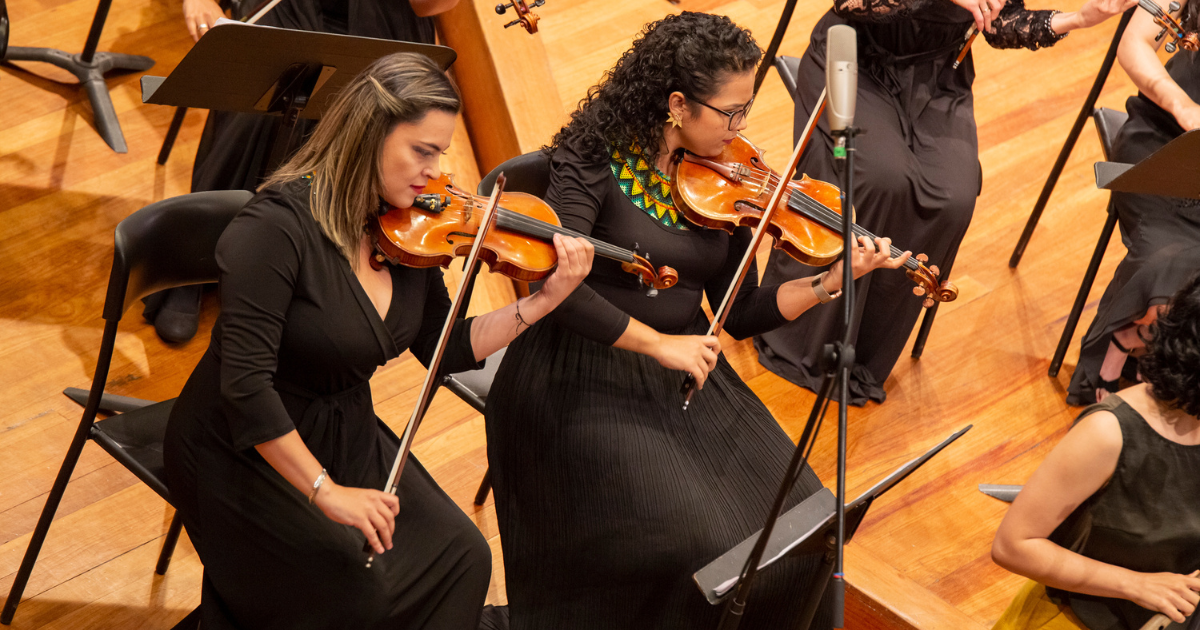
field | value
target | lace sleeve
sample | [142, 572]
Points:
[876, 10]
[1018, 27]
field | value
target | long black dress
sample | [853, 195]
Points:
[1161, 234]
[235, 147]
[294, 348]
[609, 495]
[917, 169]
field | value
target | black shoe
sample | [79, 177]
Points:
[179, 315]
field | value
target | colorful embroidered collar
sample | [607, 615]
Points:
[645, 186]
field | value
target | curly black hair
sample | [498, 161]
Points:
[689, 53]
[1172, 362]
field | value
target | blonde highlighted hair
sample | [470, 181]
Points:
[342, 154]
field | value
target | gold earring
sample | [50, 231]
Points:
[673, 120]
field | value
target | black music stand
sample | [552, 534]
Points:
[1171, 171]
[88, 66]
[806, 529]
[264, 70]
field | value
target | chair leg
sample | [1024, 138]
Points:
[168, 548]
[47, 517]
[485, 487]
[923, 334]
[172, 132]
[1085, 112]
[1084, 288]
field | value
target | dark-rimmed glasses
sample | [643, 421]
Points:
[736, 117]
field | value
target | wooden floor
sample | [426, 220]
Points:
[922, 553]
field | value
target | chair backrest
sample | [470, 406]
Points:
[169, 243]
[789, 70]
[1108, 123]
[528, 173]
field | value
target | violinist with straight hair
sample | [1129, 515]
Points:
[273, 453]
[609, 494]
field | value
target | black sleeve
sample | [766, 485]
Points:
[755, 309]
[259, 255]
[575, 194]
[876, 10]
[1018, 27]
[459, 355]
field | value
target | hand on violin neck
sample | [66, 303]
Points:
[574, 264]
[866, 257]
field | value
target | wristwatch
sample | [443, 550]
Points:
[818, 288]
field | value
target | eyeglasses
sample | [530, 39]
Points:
[736, 117]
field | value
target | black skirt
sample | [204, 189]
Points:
[610, 496]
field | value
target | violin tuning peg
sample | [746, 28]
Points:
[918, 291]
[927, 303]
[935, 270]
[1173, 7]
[922, 258]
[501, 8]
[1170, 47]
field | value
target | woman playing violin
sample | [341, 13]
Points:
[1162, 234]
[274, 454]
[918, 170]
[609, 495]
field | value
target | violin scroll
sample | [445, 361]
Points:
[525, 15]
[929, 284]
[662, 278]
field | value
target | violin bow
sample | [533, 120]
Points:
[722, 313]
[486, 223]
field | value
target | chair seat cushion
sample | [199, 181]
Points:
[135, 439]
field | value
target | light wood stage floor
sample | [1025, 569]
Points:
[922, 555]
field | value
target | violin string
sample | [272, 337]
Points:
[536, 227]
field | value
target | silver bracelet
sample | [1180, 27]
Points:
[317, 485]
[823, 295]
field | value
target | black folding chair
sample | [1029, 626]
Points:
[1108, 123]
[529, 173]
[789, 69]
[167, 244]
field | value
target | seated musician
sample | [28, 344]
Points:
[1162, 234]
[609, 495]
[1108, 527]
[274, 454]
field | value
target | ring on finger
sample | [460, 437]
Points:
[202, 25]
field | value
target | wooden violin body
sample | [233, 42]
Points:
[732, 189]
[443, 221]
[738, 196]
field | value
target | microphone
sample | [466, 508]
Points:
[841, 75]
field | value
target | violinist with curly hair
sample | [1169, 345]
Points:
[609, 495]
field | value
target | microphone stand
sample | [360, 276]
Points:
[837, 360]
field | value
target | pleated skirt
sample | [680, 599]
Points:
[610, 495]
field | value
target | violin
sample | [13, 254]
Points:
[1171, 26]
[731, 190]
[442, 223]
[525, 15]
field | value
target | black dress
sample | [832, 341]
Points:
[1146, 518]
[1161, 234]
[917, 169]
[609, 495]
[294, 348]
[233, 147]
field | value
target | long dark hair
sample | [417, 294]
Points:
[688, 53]
[1172, 362]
